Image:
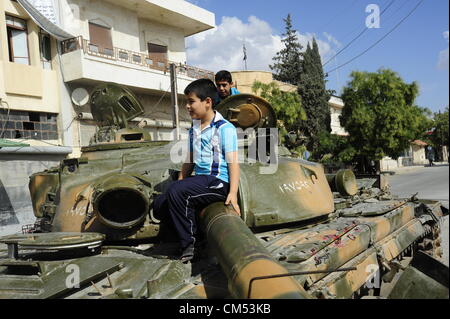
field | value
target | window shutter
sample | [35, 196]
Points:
[158, 54]
[100, 36]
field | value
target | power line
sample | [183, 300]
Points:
[387, 17]
[358, 36]
[356, 29]
[339, 14]
[396, 10]
[381, 39]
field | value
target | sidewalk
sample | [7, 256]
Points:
[408, 169]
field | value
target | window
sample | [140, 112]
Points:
[158, 54]
[30, 125]
[45, 45]
[17, 40]
[100, 39]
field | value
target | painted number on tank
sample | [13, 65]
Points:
[293, 186]
[80, 210]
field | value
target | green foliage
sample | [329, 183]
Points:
[287, 105]
[287, 65]
[315, 97]
[334, 149]
[440, 124]
[288, 108]
[305, 71]
[380, 114]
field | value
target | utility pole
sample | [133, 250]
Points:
[174, 99]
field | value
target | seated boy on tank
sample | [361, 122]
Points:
[212, 155]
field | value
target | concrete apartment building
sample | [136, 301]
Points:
[51, 48]
[336, 105]
[131, 43]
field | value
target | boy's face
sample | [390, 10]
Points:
[197, 108]
[224, 88]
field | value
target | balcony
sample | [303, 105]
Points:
[84, 61]
[180, 14]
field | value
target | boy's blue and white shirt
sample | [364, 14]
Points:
[210, 145]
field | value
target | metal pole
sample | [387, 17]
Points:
[174, 97]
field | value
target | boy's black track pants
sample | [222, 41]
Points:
[188, 196]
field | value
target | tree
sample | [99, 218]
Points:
[439, 137]
[287, 66]
[287, 106]
[335, 150]
[380, 114]
[315, 97]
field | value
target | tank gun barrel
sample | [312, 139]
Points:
[243, 257]
[121, 201]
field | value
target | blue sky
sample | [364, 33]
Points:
[417, 49]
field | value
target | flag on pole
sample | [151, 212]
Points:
[245, 56]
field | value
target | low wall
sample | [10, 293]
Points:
[388, 163]
[15, 202]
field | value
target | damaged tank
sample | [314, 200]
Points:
[302, 233]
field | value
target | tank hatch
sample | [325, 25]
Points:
[114, 105]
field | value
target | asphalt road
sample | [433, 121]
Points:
[430, 183]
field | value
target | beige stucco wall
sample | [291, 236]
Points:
[243, 80]
[123, 22]
[418, 154]
[128, 31]
[161, 34]
[27, 87]
[445, 153]
[24, 80]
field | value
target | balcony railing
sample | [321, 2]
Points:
[132, 57]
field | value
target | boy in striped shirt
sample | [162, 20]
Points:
[213, 156]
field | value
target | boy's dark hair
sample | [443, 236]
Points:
[203, 88]
[223, 76]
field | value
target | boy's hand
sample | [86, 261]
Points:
[232, 199]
